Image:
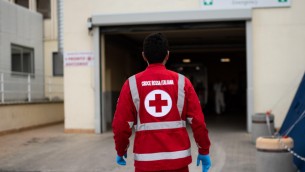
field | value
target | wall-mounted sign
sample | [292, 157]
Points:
[73, 59]
[242, 4]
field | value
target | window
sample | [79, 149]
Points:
[22, 59]
[58, 64]
[44, 7]
[24, 3]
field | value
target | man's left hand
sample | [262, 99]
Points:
[120, 159]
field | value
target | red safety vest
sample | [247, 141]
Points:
[161, 137]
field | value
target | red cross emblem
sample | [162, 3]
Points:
[158, 103]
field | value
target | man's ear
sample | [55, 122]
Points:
[166, 58]
[143, 55]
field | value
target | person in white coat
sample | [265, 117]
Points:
[220, 105]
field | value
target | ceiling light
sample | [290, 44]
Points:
[197, 68]
[186, 60]
[225, 60]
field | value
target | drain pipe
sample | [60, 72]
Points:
[60, 24]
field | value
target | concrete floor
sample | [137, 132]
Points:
[49, 149]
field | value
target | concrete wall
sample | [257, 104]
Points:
[278, 43]
[53, 84]
[279, 57]
[22, 116]
[50, 25]
[25, 28]
[51, 46]
[78, 81]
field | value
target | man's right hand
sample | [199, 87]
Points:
[120, 160]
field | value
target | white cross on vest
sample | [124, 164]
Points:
[158, 103]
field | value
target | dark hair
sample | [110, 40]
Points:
[155, 47]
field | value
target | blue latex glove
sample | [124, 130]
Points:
[206, 162]
[120, 160]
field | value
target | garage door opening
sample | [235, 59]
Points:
[207, 53]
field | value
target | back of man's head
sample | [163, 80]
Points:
[155, 48]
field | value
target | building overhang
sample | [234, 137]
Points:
[104, 20]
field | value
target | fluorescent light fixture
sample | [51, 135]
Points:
[186, 60]
[225, 60]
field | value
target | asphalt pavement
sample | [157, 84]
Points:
[49, 149]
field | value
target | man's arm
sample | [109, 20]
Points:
[123, 120]
[195, 116]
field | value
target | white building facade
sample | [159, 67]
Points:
[30, 81]
[21, 51]
[275, 56]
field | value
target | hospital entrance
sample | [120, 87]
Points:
[211, 54]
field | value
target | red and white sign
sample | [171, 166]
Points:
[76, 59]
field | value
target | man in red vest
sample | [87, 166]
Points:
[158, 102]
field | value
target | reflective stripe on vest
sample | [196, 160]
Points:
[135, 94]
[162, 155]
[181, 94]
[161, 125]
[158, 125]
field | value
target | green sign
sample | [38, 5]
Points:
[242, 4]
[208, 2]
